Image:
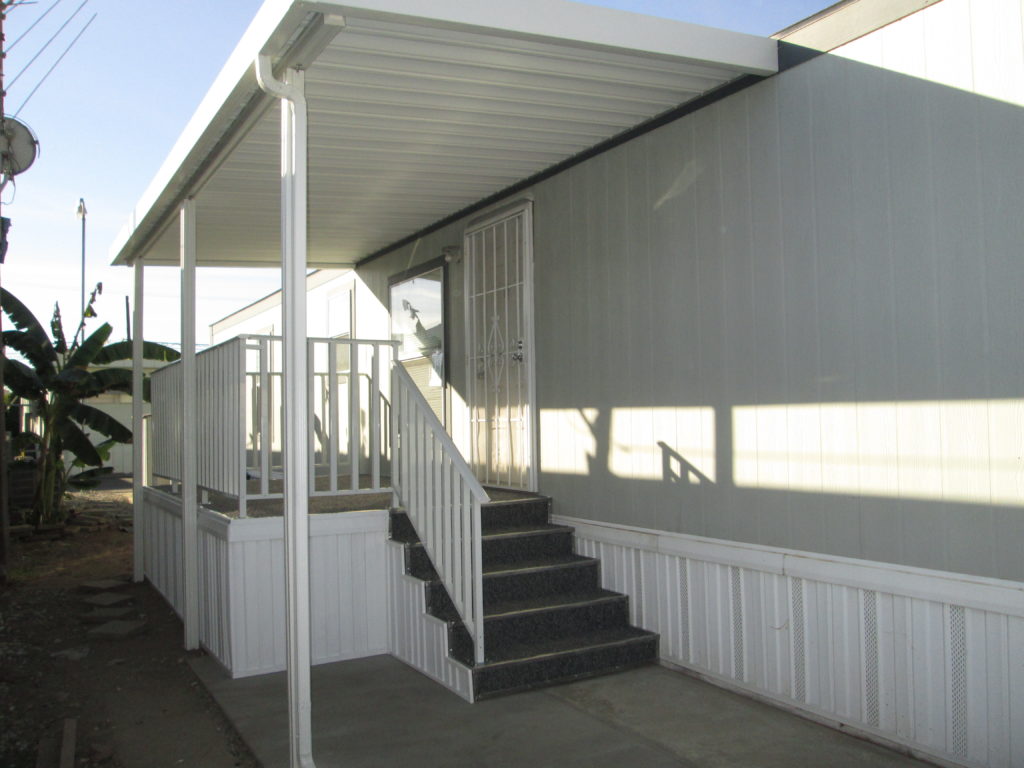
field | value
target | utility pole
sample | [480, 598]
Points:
[5, 472]
[81, 214]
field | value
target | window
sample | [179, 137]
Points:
[418, 324]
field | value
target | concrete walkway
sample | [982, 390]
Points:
[378, 712]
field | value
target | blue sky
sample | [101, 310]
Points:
[110, 112]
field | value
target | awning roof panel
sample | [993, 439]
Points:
[412, 118]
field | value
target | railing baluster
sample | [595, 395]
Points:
[266, 398]
[332, 406]
[353, 414]
[374, 423]
[442, 498]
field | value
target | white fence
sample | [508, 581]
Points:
[929, 660]
[442, 497]
[241, 583]
[240, 417]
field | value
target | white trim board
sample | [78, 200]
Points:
[928, 660]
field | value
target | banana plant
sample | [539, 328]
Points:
[56, 378]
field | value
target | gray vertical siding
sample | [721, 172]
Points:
[832, 264]
[791, 318]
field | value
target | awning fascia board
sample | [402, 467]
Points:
[288, 30]
[285, 30]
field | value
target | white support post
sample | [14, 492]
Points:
[296, 399]
[190, 426]
[138, 443]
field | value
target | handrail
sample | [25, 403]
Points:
[442, 498]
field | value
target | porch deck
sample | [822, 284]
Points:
[379, 712]
[348, 502]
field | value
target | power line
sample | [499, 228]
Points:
[58, 61]
[47, 44]
[33, 24]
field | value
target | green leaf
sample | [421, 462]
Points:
[103, 449]
[22, 380]
[25, 345]
[106, 380]
[101, 422]
[76, 441]
[57, 329]
[70, 380]
[37, 350]
[87, 351]
[122, 350]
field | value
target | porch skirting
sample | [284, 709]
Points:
[927, 660]
[241, 583]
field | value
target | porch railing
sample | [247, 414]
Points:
[369, 432]
[442, 497]
[240, 415]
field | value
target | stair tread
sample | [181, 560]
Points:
[513, 653]
[561, 600]
[490, 534]
[558, 600]
[522, 566]
[512, 531]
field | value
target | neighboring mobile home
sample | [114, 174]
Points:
[752, 323]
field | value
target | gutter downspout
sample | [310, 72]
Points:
[297, 489]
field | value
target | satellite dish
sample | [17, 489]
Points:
[19, 147]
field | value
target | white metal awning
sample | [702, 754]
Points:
[417, 109]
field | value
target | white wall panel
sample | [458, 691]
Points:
[927, 659]
[348, 599]
[162, 517]
[414, 636]
[241, 583]
[826, 264]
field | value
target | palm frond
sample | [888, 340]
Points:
[106, 380]
[22, 380]
[38, 350]
[101, 422]
[57, 329]
[89, 348]
[122, 350]
[76, 441]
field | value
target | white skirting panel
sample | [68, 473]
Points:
[348, 592]
[417, 638]
[930, 660]
[241, 583]
[161, 515]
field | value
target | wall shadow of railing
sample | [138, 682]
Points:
[676, 469]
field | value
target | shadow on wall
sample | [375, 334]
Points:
[794, 318]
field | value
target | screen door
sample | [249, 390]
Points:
[498, 254]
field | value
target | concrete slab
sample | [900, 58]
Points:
[103, 615]
[114, 630]
[107, 599]
[102, 585]
[379, 712]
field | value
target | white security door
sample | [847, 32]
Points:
[500, 349]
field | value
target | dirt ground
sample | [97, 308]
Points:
[135, 700]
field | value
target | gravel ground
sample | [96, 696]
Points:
[134, 700]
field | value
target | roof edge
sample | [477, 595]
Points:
[848, 20]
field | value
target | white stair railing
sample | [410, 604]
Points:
[442, 497]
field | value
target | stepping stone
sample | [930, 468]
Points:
[114, 630]
[102, 615]
[102, 585]
[107, 599]
[72, 654]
